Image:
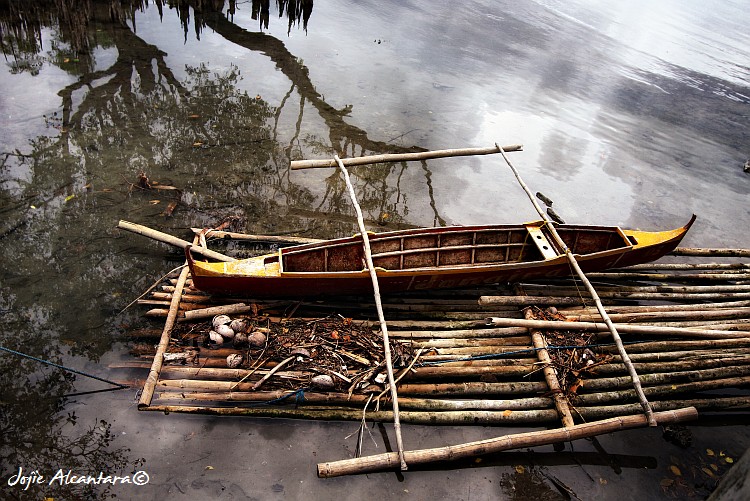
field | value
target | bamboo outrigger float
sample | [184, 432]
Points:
[432, 258]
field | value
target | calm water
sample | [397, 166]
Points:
[630, 113]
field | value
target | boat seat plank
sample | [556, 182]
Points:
[540, 239]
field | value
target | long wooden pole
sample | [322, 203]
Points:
[379, 306]
[574, 264]
[401, 157]
[517, 441]
[169, 239]
[153, 375]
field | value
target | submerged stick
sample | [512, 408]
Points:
[379, 306]
[517, 441]
[599, 306]
[401, 157]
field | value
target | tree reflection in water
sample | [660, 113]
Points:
[62, 192]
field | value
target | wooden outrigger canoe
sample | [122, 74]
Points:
[431, 258]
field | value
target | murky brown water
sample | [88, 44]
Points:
[630, 114]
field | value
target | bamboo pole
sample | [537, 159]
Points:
[379, 306]
[684, 266]
[153, 375]
[599, 306]
[169, 239]
[658, 308]
[210, 312]
[564, 300]
[685, 251]
[400, 157]
[630, 329]
[494, 445]
[667, 276]
[697, 314]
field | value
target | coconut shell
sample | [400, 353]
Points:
[322, 382]
[234, 360]
[220, 320]
[256, 339]
[225, 331]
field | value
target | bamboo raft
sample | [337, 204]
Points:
[524, 353]
[686, 327]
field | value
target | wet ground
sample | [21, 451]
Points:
[630, 114]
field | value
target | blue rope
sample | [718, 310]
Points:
[53, 364]
[298, 394]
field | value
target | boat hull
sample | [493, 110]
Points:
[265, 278]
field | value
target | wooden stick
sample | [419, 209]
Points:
[599, 306]
[153, 375]
[169, 239]
[517, 441]
[379, 306]
[401, 157]
[550, 375]
[630, 329]
[273, 371]
[278, 239]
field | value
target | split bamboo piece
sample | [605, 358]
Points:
[400, 157]
[599, 306]
[518, 441]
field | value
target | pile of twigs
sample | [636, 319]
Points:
[349, 352]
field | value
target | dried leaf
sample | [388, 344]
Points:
[666, 482]
[507, 412]
[714, 467]
[154, 202]
[710, 452]
[170, 208]
[520, 469]
[675, 470]
[708, 472]
[729, 460]
[209, 467]
[69, 198]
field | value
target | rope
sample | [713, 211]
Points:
[53, 364]
[299, 398]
